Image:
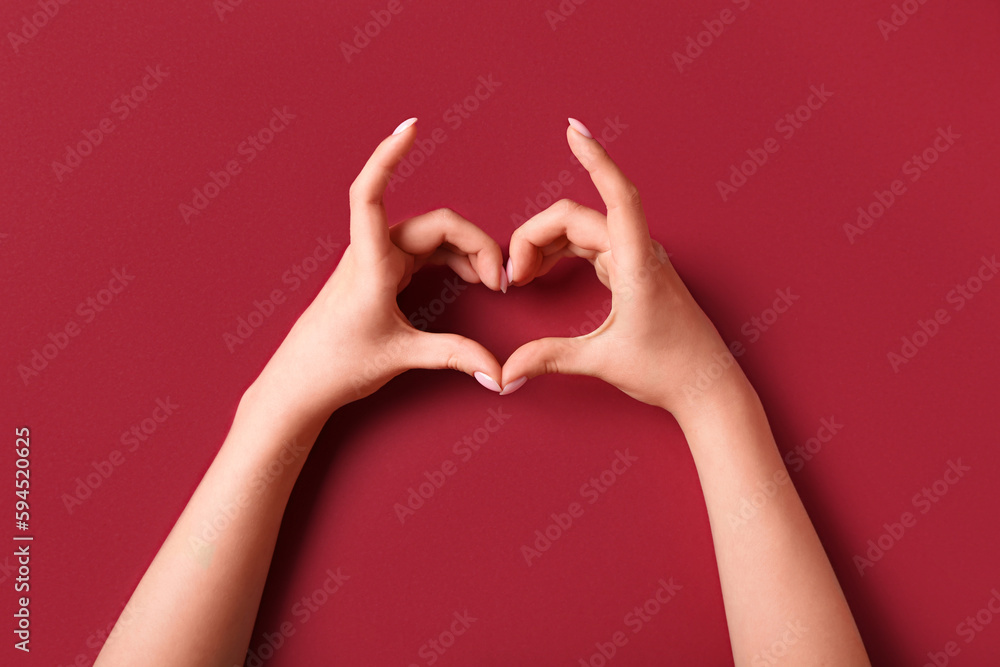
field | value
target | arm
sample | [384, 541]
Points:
[197, 602]
[777, 583]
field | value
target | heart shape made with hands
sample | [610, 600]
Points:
[617, 244]
[566, 301]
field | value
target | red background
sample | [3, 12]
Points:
[680, 132]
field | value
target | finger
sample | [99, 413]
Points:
[434, 350]
[369, 226]
[627, 226]
[423, 234]
[460, 264]
[565, 227]
[566, 356]
[549, 261]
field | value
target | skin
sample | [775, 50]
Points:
[198, 600]
[655, 345]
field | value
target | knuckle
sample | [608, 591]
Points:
[516, 236]
[460, 349]
[660, 252]
[355, 188]
[357, 194]
[567, 206]
[629, 195]
[490, 249]
[554, 351]
[446, 217]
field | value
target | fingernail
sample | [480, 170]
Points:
[503, 280]
[405, 124]
[514, 386]
[510, 270]
[580, 127]
[486, 381]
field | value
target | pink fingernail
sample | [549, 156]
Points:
[405, 124]
[580, 127]
[503, 281]
[486, 381]
[510, 270]
[514, 386]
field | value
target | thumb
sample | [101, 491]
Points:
[437, 350]
[545, 355]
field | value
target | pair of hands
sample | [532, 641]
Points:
[353, 338]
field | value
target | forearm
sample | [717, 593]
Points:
[777, 583]
[197, 602]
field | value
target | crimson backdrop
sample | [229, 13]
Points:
[492, 84]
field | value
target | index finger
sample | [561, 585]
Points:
[627, 227]
[369, 224]
[563, 229]
[424, 234]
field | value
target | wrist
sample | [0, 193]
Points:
[730, 427]
[713, 395]
[273, 409]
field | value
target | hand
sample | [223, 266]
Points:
[656, 338]
[352, 338]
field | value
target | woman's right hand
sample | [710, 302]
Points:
[353, 338]
[656, 343]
